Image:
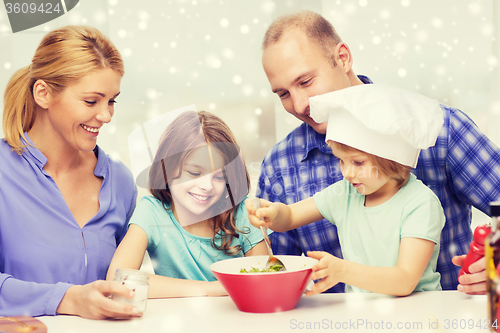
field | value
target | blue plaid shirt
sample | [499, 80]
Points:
[463, 170]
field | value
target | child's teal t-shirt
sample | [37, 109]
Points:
[175, 252]
[371, 235]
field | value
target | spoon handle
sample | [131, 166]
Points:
[263, 228]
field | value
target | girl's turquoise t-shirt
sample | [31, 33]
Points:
[175, 252]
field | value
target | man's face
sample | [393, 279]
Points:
[298, 69]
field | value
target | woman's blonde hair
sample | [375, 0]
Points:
[64, 56]
[391, 169]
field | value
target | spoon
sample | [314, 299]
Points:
[272, 261]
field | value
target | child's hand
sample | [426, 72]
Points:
[263, 215]
[327, 270]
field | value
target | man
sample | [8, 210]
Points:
[303, 56]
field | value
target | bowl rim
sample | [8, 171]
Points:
[280, 256]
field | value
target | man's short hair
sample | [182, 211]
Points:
[314, 26]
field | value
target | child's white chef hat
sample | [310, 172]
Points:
[388, 122]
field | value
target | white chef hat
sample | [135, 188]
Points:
[388, 122]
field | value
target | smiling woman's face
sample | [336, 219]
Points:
[200, 185]
[76, 115]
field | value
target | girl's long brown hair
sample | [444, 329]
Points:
[191, 130]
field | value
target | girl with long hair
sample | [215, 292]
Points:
[195, 215]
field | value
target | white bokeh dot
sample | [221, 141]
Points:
[376, 40]
[152, 94]
[440, 70]
[405, 3]
[492, 60]
[142, 25]
[208, 37]
[228, 53]
[173, 44]
[258, 111]
[247, 90]
[213, 61]
[237, 79]
[437, 22]
[122, 33]
[127, 52]
[400, 47]
[224, 23]
[402, 72]
[475, 8]
[212, 106]
[244, 29]
[172, 70]
[385, 14]
[143, 15]
[156, 45]
[7, 65]
[495, 108]
[268, 6]
[100, 17]
[111, 129]
[113, 2]
[487, 30]
[363, 3]
[349, 8]
[422, 36]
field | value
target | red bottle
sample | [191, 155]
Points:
[476, 251]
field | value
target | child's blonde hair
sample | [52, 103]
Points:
[391, 169]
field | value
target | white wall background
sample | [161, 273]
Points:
[207, 53]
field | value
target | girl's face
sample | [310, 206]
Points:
[76, 115]
[200, 185]
[357, 168]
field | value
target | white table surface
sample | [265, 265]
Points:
[438, 311]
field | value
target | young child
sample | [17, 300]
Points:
[388, 222]
[195, 215]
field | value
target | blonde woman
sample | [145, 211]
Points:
[64, 203]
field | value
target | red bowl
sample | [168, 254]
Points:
[264, 292]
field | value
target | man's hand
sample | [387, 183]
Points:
[474, 283]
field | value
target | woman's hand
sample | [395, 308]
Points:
[327, 270]
[92, 301]
[474, 283]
